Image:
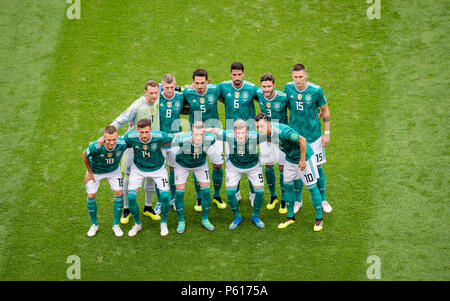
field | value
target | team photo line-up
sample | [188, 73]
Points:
[154, 138]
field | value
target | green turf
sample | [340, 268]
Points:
[387, 171]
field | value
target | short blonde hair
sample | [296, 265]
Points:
[168, 78]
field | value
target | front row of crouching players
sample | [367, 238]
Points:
[102, 159]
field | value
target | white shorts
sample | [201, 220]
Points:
[308, 176]
[114, 179]
[270, 154]
[319, 151]
[137, 176]
[234, 174]
[169, 155]
[215, 152]
[127, 160]
[182, 173]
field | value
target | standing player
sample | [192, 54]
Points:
[145, 106]
[148, 162]
[274, 104]
[102, 162]
[191, 150]
[238, 95]
[170, 105]
[201, 101]
[300, 164]
[243, 159]
[305, 99]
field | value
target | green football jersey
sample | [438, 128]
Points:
[275, 108]
[105, 160]
[286, 139]
[245, 155]
[189, 155]
[238, 102]
[147, 155]
[203, 107]
[304, 107]
[169, 112]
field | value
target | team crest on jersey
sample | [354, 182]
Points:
[211, 99]
[308, 97]
[145, 147]
[118, 154]
[268, 105]
[236, 94]
[177, 104]
[299, 96]
[109, 155]
[169, 104]
[202, 100]
[154, 146]
[245, 94]
[276, 105]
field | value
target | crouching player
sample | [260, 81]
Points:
[242, 159]
[102, 162]
[148, 162]
[191, 150]
[299, 164]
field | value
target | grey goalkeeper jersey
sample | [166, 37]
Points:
[138, 110]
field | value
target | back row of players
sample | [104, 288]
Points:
[154, 138]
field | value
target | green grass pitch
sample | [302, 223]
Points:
[387, 170]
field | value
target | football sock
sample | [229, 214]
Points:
[316, 200]
[269, 172]
[197, 186]
[232, 201]
[217, 177]
[172, 183]
[165, 205]
[321, 182]
[118, 206]
[298, 187]
[134, 208]
[125, 191]
[179, 204]
[258, 202]
[281, 184]
[289, 195]
[92, 209]
[206, 201]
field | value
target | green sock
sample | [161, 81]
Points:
[165, 205]
[133, 206]
[92, 209]
[281, 184]
[298, 187]
[316, 200]
[197, 187]
[269, 172]
[252, 190]
[217, 177]
[321, 182]
[232, 201]
[118, 207]
[206, 201]
[289, 195]
[258, 202]
[172, 186]
[179, 203]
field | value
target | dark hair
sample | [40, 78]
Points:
[298, 67]
[237, 66]
[151, 83]
[143, 123]
[110, 129]
[200, 73]
[266, 77]
[262, 116]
